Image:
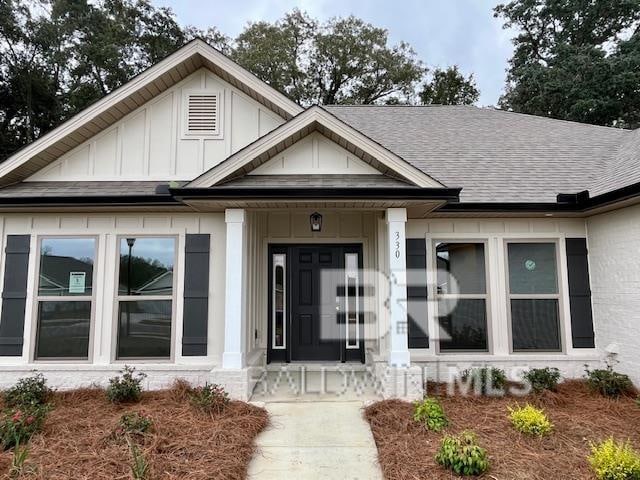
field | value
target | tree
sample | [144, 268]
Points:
[575, 60]
[344, 60]
[449, 87]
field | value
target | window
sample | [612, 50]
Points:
[279, 302]
[461, 296]
[201, 114]
[64, 298]
[145, 297]
[533, 296]
[352, 302]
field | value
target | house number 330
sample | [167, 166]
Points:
[397, 244]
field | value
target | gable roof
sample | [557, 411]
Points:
[314, 119]
[498, 156]
[140, 89]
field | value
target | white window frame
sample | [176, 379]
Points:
[559, 295]
[472, 296]
[351, 273]
[218, 134]
[37, 298]
[124, 298]
[279, 260]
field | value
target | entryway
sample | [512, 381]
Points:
[315, 303]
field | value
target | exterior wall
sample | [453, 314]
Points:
[614, 260]
[314, 154]
[148, 144]
[495, 233]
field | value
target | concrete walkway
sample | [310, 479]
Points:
[316, 440]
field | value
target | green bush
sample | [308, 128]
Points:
[430, 413]
[462, 454]
[486, 378]
[531, 420]
[211, 398]
[17, 426]
[611, 460]
[134, 423]
[27, 392]
[127, 388]
[542, 379]
[609, 383]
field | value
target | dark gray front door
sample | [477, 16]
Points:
[307, 321]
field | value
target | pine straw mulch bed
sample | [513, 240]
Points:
[407, 451]
[77, 441]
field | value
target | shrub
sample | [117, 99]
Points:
[462, 454]
[28, 392]
[531, 420]
[543, 379]
[611, 460]
[430, 413]
[134, 423]
[17, 426]
[609, 383]
[127, 388]
[485, 379]
[210, 399]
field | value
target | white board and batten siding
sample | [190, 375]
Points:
[152, 143]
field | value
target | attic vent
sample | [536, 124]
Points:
[202, 115]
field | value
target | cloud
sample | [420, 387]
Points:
[460, 32]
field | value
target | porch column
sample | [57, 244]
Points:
[399, 345]
[234, 312]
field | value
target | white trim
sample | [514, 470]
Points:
[196, 47]
[237, 162]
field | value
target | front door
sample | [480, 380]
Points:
[315, 303]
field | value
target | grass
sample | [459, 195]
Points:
[407, 451]
[78, 442]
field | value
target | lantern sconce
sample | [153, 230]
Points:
[316, 222]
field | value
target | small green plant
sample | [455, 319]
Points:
[17, 426]
[611, 460]
[126, 389]
[462, 454]
[211, 398]
[542, 379]
[430, 413]
[134, 423]
[20, 455]
[139, 466]
[609, 383]
[486, 380]
[530, 420]
[638, 400]
[28, 392]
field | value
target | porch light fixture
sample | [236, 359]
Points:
[316, 222]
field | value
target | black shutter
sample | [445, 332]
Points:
[417, 318]
[579, 293]
[196, 295]
[14, 295]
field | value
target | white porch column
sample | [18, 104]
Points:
[399, 345]
[234, 311]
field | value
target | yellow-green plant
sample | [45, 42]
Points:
[430, 413]
[531, 420]
[611, 460]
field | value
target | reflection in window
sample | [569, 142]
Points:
[145, 297]
[462, 296]
[64, 298]
[279, 302]
[534, 297]
[352, 301]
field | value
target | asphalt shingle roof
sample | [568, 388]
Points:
[498, 156]
[70, 189]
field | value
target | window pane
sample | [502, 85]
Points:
[532, 268]
[461, 268]
[146, 268]
[66, 266]
[279, 307]
[463, 324]
[144, 329]
[534, 325]
[63, 330]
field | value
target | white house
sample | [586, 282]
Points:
[196, 223]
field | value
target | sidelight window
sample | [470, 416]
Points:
[279, 300]
[352, 301]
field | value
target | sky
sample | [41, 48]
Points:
[442, 32]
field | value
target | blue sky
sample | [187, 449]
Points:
[443, 32]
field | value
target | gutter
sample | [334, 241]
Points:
[79, 200]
